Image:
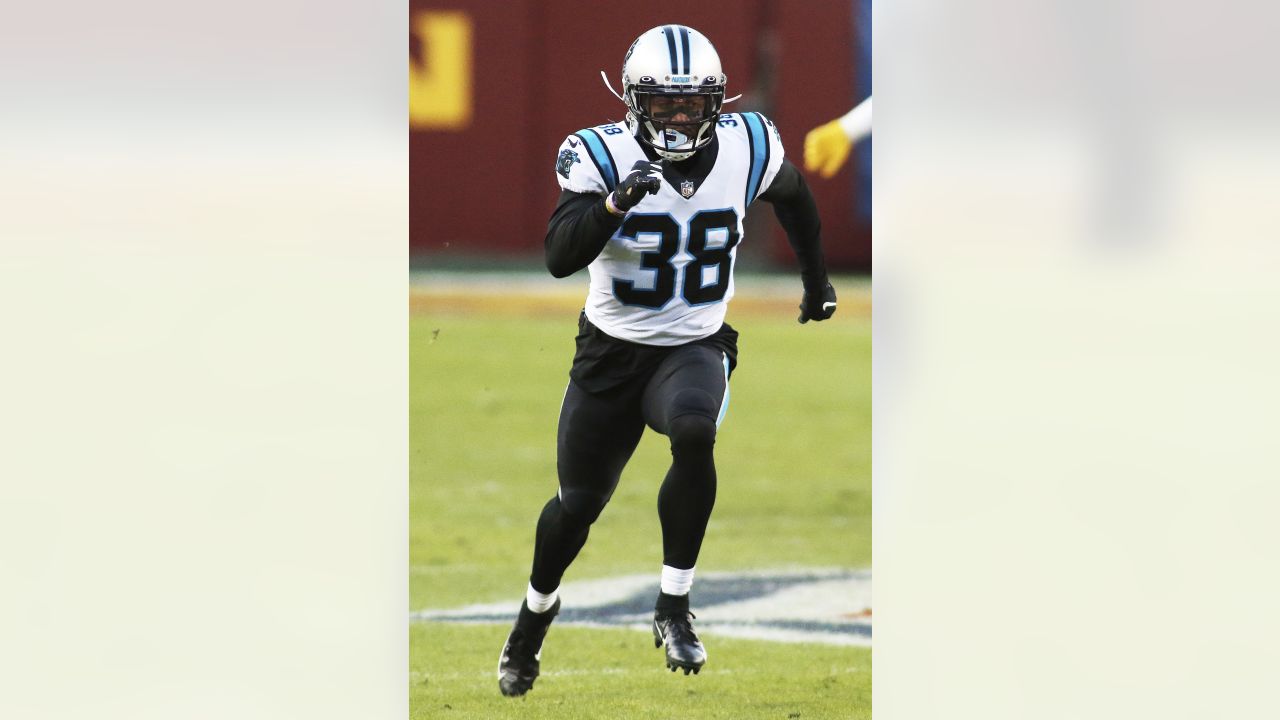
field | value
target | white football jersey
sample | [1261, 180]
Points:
[666, 275]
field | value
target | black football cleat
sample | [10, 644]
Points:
[672, 628]
[520, 661]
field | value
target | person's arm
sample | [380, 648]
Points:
[582, 223]
[577, 232]
[798, 214]
[857, 122]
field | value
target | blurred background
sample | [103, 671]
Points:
[205, 213]
[495, 87]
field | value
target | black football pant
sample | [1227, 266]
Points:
[682, 398]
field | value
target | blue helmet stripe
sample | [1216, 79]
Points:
[684, 45]
[601, 157]
[759, 153]
[671, 46]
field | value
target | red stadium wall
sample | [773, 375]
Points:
[497, 85]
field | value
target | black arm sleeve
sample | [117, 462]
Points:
[798, 214]
[577, 232]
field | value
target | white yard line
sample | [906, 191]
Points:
[816, 605]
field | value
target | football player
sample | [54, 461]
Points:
[653, 208]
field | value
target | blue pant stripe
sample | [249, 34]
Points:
[724, 404]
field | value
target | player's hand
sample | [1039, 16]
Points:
[645, 178]
[826, 147]
[818, 304]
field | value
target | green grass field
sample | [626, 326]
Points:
[794, 464]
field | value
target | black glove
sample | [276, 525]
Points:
[819, 303]
[645, 178]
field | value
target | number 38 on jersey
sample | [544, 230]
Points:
[694, 263]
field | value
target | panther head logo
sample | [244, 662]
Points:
[565, 162]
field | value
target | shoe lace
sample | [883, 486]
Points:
[680, 626]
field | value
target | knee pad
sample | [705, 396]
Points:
[581, 507]
[692, 433]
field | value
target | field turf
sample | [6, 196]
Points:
[794, 463]
[593, 674]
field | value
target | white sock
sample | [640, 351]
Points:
[676, 581]
[538, 602]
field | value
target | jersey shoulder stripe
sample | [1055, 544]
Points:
[758, 140]
[600, 155]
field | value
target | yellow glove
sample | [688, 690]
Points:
[826, 147]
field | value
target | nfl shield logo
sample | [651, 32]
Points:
[686, 188]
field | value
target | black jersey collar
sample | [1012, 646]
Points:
[687, 175]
